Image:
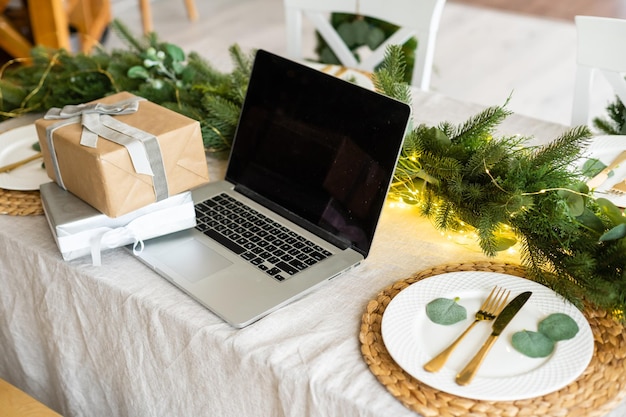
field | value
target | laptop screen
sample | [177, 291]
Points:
[321, 150]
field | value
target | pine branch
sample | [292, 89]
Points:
[389, 77]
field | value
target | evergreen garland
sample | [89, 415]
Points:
[509, 192]
[157, 71]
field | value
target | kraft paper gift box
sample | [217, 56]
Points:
[80, 230]
[122, 152]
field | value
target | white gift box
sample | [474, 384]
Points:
[80, 229]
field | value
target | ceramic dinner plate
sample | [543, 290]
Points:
[15, 145]
[605, 149]
[348, 74]
[413, 339]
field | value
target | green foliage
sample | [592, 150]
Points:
[510, 191]
[364, 32]
[160, 72]
[554, 328]
[533, 344]
[615, 124]
[558, 326]
[445, 311]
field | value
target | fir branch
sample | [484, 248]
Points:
[389, 77]
[615, 123]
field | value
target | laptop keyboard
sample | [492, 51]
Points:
[270, 246]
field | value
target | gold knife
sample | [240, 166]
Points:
[17, 164]
[504, 318]
[604, 174]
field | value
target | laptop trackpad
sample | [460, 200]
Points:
[194, 260]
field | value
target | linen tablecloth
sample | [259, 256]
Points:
[118, 340]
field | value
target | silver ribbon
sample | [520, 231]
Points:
[143, 147]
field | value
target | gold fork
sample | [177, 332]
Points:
[491, 307]
[619, 188]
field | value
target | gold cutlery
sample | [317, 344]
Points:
[604, 174]
[17, 164]
[504, 318]
[490, 308]
[619, 188]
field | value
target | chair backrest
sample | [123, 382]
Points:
[419, 18]
[600, 49]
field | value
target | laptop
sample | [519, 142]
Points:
[310, 166]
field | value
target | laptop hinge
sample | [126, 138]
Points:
[305, 224]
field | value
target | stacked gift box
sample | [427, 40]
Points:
[122, 168]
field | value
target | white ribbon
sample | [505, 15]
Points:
[143, 147]
[152, 224]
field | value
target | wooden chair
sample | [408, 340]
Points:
[419, 18]
[600, 50]
[146, 13]
[11, 40]
[50, 22]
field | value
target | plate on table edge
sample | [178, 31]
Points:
[352, 75]
[15, 145]
[605, 149]
[506, 375]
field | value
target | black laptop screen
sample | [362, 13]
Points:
[321, 148]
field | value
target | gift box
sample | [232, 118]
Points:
[80, 229]
[122, 152]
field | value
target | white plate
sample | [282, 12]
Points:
[360, 78]
[413, 339]
[606, 148]
[15, 145]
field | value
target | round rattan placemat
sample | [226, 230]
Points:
[600, 388]
[20, 203]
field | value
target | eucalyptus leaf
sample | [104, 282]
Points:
[575, 202]
[375, 37]
[592, 167]
[590, 220]
[178, 67]
[346, 31]
[175, 52]
[532, 344]
[138, 72]
[360, 29]
[615, 233]
[558, 326]
[445, 311]
[611, 210]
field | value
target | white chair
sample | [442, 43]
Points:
[600, 50]
[419, 18]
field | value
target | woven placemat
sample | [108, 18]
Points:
[600, 388]
[20, 203]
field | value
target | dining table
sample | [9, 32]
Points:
[118, 340]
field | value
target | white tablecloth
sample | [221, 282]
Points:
[118, 340]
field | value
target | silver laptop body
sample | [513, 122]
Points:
[314, 154]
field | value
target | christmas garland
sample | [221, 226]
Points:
[460, 176]
[157, 71]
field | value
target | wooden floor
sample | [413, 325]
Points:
[559, 9]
